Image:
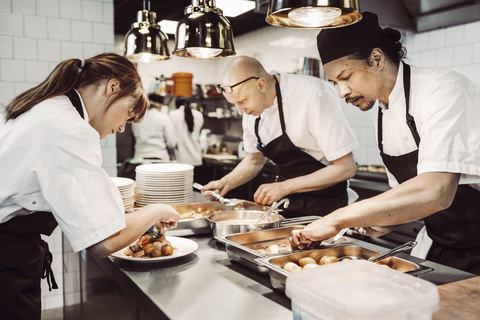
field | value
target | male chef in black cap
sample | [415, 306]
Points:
[429, 138]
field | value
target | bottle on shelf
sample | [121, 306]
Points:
[156, 86]
[163, 86]
[204, 140]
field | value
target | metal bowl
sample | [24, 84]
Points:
[224, 223]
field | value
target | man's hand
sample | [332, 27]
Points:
[268, 193]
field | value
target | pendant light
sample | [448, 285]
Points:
[313, 14]
[204, 32]
[145, 41]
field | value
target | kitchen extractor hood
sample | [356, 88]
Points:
[414, 15]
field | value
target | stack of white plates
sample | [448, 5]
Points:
[126, 187]
[169, 183]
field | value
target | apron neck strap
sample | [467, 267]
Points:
[409, 118]
[72, 95]
[279, 103]
[280, 112]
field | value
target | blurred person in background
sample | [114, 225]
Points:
[187, 123]
[155, 137]
[51, 174]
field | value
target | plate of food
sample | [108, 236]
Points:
[156, 248]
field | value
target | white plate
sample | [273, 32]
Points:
[164, 168]
[181, 246]
[122, 182]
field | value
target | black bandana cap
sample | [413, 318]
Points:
[340, 42]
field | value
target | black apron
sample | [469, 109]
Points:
[25, 258]
[454, 231]
[292, 162]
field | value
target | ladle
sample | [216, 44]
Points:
[224, 201]
[406, 246]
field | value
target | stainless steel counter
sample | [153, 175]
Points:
[202, 285]
[207, 285]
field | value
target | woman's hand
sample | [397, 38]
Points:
[168, 217]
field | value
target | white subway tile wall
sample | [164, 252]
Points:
[35, 35]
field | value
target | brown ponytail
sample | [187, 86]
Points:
[69, 75]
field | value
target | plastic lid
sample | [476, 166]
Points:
[361, 289]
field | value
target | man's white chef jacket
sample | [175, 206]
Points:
[446, 108]
[314, 120]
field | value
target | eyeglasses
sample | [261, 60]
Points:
[229, 89]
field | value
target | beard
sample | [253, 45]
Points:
[364, 107]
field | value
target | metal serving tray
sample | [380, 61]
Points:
[188, 227]
[242, 247]
[278, 276]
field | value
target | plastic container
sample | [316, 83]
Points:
[357, 290]
[183, 83]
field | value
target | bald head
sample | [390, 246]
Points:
[240, 68]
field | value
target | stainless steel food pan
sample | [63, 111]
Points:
[240, 221]
[278, 275]
[196, 226]
[242, 248]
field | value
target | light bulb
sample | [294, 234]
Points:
[314, 16]
[204, 53]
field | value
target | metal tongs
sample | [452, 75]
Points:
[274, 207]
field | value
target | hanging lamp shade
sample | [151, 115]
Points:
[204, 32]
[313, 14]
[145, 41]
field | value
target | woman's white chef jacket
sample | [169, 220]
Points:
[153, 135]
[314, 120]
[50, 161]
[446, 108]
[188, 143]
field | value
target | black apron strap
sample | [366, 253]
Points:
[280, 104]
[260, 145]
[75, 100]
[409, 118]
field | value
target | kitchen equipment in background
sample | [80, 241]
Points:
[313, 14]
[182, 83]
[169, 183]
[309, 66]
[170, 86]
[204, 140]
[203, 32]
[145, 41]
[359, 290]
[126, 187]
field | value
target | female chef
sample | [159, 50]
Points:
[50, 161]
[429, 139]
